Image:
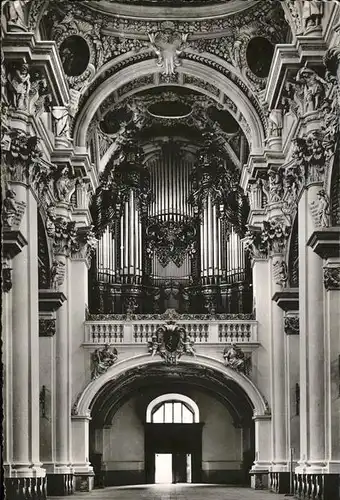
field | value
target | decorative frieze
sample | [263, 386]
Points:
[235, 358]
[47, 327]
[291, 325]
[331, 278]
[102, 360]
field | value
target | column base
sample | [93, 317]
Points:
[84, 482]
[259, 480]
[26, 488]
[60, 484]
[279, 482]
[317, 486]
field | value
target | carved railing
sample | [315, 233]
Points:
[140, 331]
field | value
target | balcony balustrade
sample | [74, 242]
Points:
[139, 329]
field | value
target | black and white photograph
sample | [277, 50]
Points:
[170, 273]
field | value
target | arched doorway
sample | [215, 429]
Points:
[222, 446]
[173, 440]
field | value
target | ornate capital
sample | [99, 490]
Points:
[331, 278]
[291, 325]
[86, 244]
[275, 234]
[64, 237]
[254, 244]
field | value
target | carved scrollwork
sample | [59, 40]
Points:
[171, 342]
[331, 278]
[170, 240]
[167, 46]
[291, 325]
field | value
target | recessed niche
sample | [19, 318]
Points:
[259, 56]
[75, 55]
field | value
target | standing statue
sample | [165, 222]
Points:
[168, 47]
[320, 209]
[9, 210]
[275, 187]
[312, 12]
[102, 360]
[19, 86]
[14, 11]
[275, 123]
[313, 87]
[57, 274]
[61, 121]
[63, 185]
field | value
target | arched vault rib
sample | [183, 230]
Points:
[85, 400]
[250, 124]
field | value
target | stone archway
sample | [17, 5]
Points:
[246, 114]
[113, 380]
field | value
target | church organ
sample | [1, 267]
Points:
[170, 234]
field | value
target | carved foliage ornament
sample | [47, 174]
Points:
[170, 240]
[6, 277]
[271, 239]
[331, 278]
[171, 342]
[167, 46]
[291, 325]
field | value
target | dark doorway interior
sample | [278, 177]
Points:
[179, 440]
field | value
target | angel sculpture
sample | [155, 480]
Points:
[14, 11]
[102, 360]
[234, 358]
[168, 47]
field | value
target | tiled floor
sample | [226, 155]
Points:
[174, 492]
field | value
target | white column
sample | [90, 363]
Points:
[312, 378]
[279, 406]
[63, 377]
[25, 346]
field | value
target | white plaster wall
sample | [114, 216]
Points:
[123, 443]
